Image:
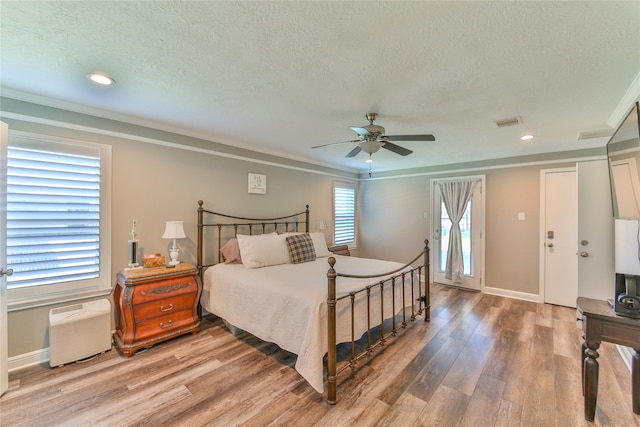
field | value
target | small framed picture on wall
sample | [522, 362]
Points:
[257, 184]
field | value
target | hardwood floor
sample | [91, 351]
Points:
[481, 361]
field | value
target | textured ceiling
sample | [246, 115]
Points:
[281, 77]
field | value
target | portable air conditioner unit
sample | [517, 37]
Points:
[79, 331]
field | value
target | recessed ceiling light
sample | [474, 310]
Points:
[527, 137]
[101, 79]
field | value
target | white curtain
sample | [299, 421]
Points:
[455, 196]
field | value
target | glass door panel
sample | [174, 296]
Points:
[471, 229]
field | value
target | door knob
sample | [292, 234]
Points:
[550, 245]
[584, 254]
[8, 272]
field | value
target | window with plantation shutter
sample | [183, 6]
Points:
[57, 219]
[344, 213]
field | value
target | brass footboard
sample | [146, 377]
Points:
[423, 300]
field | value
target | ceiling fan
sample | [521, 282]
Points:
[372, 138]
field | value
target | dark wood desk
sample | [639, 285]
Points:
[600, 323]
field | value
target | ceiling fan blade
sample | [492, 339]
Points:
[335, 143]
[360, 131]
[396, 149]
[354, 152]
[410, 137]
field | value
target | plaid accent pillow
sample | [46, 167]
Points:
[300, 248]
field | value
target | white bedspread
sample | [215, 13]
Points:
[286, 304]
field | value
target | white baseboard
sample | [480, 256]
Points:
[511, 294]
[28, 359]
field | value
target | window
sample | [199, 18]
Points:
[58, 220]
[344, 213]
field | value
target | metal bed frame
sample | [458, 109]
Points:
[400, 278]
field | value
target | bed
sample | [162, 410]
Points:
[272, 278]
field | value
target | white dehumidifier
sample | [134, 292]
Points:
[79, 331]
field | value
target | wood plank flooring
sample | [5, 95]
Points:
[481, 361]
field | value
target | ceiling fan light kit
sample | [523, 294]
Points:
[373, 137]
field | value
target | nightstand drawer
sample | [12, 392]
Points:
[164, 324]
[164, 289]
[166, 306]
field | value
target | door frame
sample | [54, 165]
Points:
[481, 244]
[4, 331]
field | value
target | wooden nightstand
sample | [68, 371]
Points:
[154, 305]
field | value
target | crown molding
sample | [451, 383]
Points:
[630, 97]
[137, 121]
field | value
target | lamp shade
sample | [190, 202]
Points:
[627, 246]
[174, 230]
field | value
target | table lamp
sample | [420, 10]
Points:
[174, 230]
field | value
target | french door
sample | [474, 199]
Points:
[471, 230]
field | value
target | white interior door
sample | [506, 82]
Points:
[472, 228]
[595, 231]
[4, 351]
[559, 227]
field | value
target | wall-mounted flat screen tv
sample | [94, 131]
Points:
[623, 152]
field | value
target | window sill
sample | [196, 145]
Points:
[28, 303]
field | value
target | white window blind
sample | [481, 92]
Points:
[56, 216]
[344, 213]
[53, 217]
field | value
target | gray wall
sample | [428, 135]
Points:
[153, 183]
[391, 208]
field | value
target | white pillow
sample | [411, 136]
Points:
[263, 250]
[320, 245]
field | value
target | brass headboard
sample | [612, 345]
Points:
[234, 225]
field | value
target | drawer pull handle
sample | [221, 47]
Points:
[166, 309]
[168, 325]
